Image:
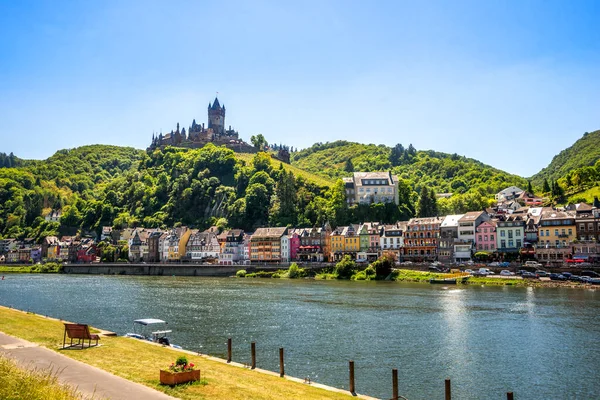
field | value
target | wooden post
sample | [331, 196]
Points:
[281, 367]
[253, 351]
[509, 396]
[394, 384]
[229, 350]
[448, 390]
[352, 387]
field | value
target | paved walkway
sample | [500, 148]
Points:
[90, 381]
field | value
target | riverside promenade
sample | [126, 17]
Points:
[89, 380]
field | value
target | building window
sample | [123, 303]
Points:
[502, 234]
[491, 237]
[503, 243]
[480, 239]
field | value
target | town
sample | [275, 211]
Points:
[518, 228]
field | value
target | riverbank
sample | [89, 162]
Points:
[140, 362]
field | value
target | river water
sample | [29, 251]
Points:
[539, 343]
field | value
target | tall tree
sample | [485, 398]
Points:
[546, 187]
[259, 142]
[424, 206]
[349, 167]
[529, 188]
[396, 155]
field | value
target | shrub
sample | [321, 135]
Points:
[345, 268]
[241, 273]
[365, 275]
[383, 266]
[295, 272]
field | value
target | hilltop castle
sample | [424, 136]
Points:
[197, 135]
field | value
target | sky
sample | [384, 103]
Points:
[510, 83]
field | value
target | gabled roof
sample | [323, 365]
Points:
[270, 232]
[470, 216]
[451, 220]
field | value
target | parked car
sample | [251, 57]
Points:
[506, 272]
[541, 273]
[566, 274]
[558, 277]
[532, 264]
[494, 264]
[484, 272]
[594, 281]
[575, 278]
[469, 271]
[528, 274]
[521, 271]
[591, 274]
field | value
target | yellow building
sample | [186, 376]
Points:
[556, 228]
[343, 240]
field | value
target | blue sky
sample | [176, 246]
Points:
[510, 83]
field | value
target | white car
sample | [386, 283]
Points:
[506, 272]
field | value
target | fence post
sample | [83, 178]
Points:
[228, 350]
[509, 396]
[253, 351]
[394, 384]
[281, 367]
[352, 387]
[448, 390]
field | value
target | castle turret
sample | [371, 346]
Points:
[216, 117]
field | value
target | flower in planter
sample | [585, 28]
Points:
[181, 365]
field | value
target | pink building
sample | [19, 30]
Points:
[294, 244]
[485, 240]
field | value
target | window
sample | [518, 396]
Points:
[571, 231]
[480, 238]
[519, 243]
[491, 237]
[511, 243]
[510, 234]
[503, 243]
[541, 233]
[502, 234]
[582, 227]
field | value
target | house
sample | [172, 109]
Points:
[153, 246]
[510, 233]
[391, 240]
[174, 244]
[421, 238]
[106, 233]
[557, 228]
[510, 193]
[53, 216]
[529, 199]
[468, 223]
[448, 234]
[265, 244]
[138, 245]
[203, 246]
[312, 244]
[344, 241]
[285, 248]
[24, 255]
[36, 254]
[233, 250]
[371, 187]
[486, 236]
[7, 244]
[370, 233]
[588, 223]
[12, 257]
[294, 241]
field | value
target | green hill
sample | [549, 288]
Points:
[469, 180]
[584, 152]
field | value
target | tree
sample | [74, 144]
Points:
[345, 268]
[396, 155]
[259, 142]
[425, 206]
[349, 167]
[546, 187]
[529, 188]
[596, 202]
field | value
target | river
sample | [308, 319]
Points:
[541, 343]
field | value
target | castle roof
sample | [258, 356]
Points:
[215, 104]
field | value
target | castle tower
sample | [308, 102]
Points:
[216, 117]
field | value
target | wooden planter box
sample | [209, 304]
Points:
[175, 378]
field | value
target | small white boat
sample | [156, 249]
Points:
[144, 329]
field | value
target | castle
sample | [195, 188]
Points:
[198, 135]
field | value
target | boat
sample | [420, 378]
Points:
[144, 329]
[450, 281]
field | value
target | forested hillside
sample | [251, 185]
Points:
[472, 183]
[585, 152]
[96, 186]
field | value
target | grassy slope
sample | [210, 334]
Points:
[584, 152]
[19, 383]
[140, 362]
[588, 195]
[310, 177]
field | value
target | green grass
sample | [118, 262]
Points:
[18, 383]
[310, 177]
[48, 268]
[140, 362]
[588, 195]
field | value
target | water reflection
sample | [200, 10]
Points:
[488, 340]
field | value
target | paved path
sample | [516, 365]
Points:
[90, 381]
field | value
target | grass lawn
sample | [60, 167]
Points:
[319, 180]
[140, 362]
[588, 195]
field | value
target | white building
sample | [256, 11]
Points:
[285, 248]
[510, 193]
[371, 187]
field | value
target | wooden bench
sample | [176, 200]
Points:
[81, 332]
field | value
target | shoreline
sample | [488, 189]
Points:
[236, 365]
